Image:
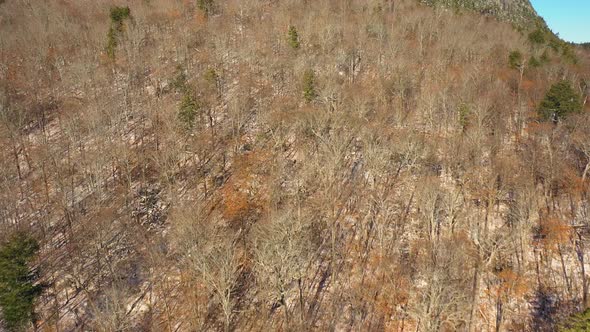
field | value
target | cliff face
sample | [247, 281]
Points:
[519, 12]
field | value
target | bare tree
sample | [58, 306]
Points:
[212, 255]
[282, 253]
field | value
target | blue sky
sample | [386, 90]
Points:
[569, 18]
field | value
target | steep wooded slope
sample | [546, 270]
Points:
[291, 165]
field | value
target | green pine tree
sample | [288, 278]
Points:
[18, 291]
[578, 323]
[560, 100]
[187, 114]
[118, 15]
[515, 59]
[293, 38]
[309, 92]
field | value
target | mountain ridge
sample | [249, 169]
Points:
[519, 12]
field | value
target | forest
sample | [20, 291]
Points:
[291, 165]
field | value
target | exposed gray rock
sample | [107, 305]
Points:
[519, 12]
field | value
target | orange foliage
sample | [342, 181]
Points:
[538, 128]
[512, 284]
[174, 14]
[572, 181]
[200, 19]
[456, 72]
[236, 203]
[246, 190]
[528, 85]
[553, 232]
[505, 74]
[509, 285]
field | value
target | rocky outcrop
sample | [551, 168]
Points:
[519, 12]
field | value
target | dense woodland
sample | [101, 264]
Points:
[289, 165]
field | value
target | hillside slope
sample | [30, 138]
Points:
[291, 166]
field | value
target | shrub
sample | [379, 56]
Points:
[560, 100]
[555, 44]
[464, 113]
[211, 76]
[515, 59]
[118, 14]
[569, 54]
[534, 62]
[206, 6]
[545, 57]
[293, 38]
[537, 37]
[180, 81]
[18, 291]
[309, 92]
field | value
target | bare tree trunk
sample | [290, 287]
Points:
[520, 121]
[301, 304]
[474, 297]
[16, 162]
[586, 170]
[498, 313]
[563, 269]
[580, 252]
[286, 308]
